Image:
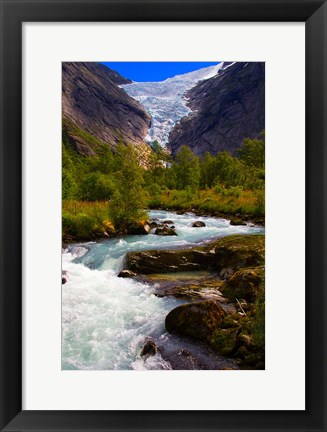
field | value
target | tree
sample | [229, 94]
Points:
[187, 169]
[68, 185]
[126, 208]
[252, 153]
[207, 171]
[229, 170]
[96, 187]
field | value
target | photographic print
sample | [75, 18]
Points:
[163, 215]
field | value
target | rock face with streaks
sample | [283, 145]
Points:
[226, 109]
[94, 104]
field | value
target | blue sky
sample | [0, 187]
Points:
[155, 71]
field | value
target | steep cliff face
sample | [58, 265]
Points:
[225, 109]
[93, 103]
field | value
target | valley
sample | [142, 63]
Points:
[163, 215]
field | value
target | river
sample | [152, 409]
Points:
[105, 319]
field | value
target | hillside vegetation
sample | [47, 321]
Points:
[109, 192]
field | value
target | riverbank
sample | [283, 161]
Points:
[87, 221]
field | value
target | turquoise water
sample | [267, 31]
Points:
[105, 319]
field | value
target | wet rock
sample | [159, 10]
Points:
[199, 288]
[168, 222]
[142, 228]
[245, 284]
[153, 224]
[237, 221]
[209, 323]
[229, 252]
[166, 261]
[196, 320]
[149, 348]
[126, 274]
[198, 224]
[226, 273]
[165, 231]
[187, 354]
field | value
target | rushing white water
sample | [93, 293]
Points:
[105, 319]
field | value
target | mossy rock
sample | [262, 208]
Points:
[237, 221]
[224, 340]
[239, 251]
[197, 320]
[245, 284]
[233, 252]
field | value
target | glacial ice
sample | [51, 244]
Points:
[166, 101]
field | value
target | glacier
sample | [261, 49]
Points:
[166, 101]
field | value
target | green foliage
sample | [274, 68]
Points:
[208, 171]
[258, 321]
[80, 226]
[96, 187]
[186, 168]
[260, 202]
[252, 153]
[229, 170]
[68, 185]
[220, 184]
[128, 202]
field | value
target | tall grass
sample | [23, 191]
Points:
[216, 200]
[82, 220]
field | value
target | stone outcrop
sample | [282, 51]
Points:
[245, 284]
[227, 108]
[229, 252]
[92, 102]
[196, 320]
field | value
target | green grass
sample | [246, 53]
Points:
[82, 220]
[225, 201]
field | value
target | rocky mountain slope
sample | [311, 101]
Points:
[94, 105]
[226, 108]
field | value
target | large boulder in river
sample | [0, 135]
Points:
[232, 252]
[165, 231]
[196, 320]
[198, 224]
[237, 221]
[141, 228]
[166, 261]
[239, 251]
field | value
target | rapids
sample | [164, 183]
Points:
[105, 319]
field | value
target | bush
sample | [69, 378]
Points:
[96, 187]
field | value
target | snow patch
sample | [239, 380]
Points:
[165, 100]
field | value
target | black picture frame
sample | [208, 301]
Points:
[13, 14]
